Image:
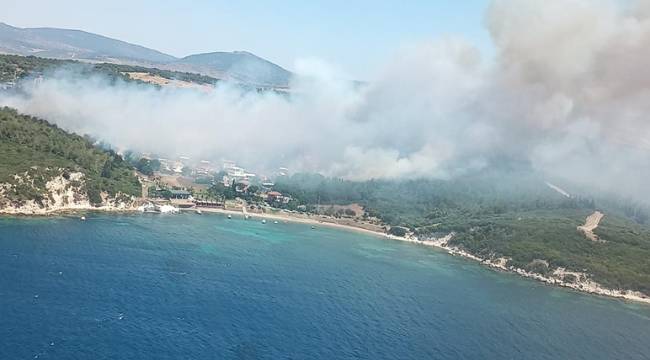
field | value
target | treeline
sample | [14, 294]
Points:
[39, 148]
[16, 67]
[167, 74]
[419, 202]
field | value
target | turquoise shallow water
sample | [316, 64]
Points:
[204, 287]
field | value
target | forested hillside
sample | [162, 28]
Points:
[510, 214]
[41, 150]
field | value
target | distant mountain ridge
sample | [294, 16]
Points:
[240, 66]
[237, 66]
[73, 44]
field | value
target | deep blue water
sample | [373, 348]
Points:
[204, 287]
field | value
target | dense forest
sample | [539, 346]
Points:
[510, 213]
[34, 146]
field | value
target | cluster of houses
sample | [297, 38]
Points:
[237, 175]
[275, 197]
[179, 166]
[173, 166]
[205, 169]
[183, 198]
[229, 175]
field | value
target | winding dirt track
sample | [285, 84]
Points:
[591, 223]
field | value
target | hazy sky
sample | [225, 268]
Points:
[355, 36]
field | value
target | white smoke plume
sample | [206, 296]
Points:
[568, 91]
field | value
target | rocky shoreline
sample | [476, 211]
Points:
[581, 281]
[62, 194]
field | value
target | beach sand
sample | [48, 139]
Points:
[316, 220]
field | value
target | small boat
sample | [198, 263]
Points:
[264, 221]
[83, 218]
[276, 222]
[229, 216]
[199, 212]
[246, 217]
[313, 227]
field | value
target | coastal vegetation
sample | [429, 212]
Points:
[144, 165]
[509, 214]
[38, 150]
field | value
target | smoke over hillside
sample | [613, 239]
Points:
[567, 91]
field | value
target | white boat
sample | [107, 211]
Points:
[83, 218]
[199, 212]
[229, 216]
[264, 221]
[276, 222]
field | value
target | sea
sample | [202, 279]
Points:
[189, 286]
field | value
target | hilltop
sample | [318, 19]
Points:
[240, 66]
[64, 44]
[74, 44]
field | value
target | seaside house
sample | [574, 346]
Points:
[273, 196]
[179, 194]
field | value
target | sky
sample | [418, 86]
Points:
[355, 37]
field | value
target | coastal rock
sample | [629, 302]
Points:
[579, 281]
[65, 191]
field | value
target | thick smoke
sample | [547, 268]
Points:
[568, 91]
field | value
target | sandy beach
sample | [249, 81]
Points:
[316, 220]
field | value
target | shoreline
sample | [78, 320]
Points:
[69, 210]
[585, 287]
[315, 220]
[588, 287]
